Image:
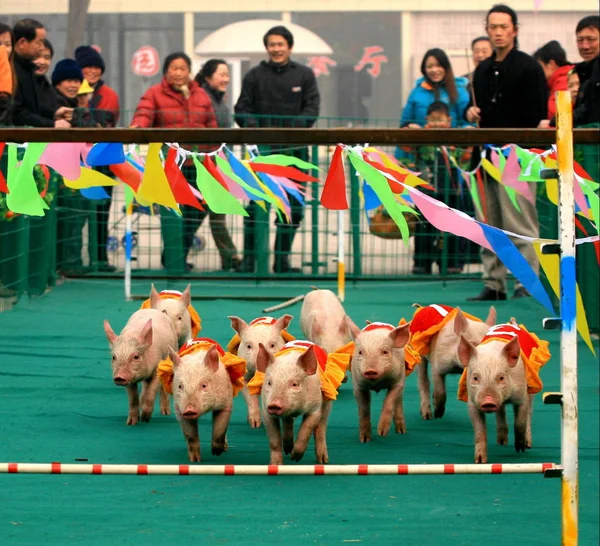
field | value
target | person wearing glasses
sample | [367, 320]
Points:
[509, 91]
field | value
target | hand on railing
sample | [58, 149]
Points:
[544, 124]
[473, 114]
[64, 113]
[62, 124]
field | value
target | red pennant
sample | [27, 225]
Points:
[394, 186]
[279, 170]
[127, 174]
[179, 185]
[595, 243]
[334, 190]
[46, 174]
[3, 184]
[214, 172]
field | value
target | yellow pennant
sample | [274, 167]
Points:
[551, 265]
[494, 172]
[155, 186]
[89, 178]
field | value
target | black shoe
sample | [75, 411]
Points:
[282, 265]
[107, 268]
[189, 266]
[248, 265]
[421, 271]
[520, 292]
[488, 294]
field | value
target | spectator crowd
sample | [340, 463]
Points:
[508, 88]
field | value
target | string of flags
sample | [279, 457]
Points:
[223, 181]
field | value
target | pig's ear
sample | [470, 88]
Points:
[465, 351]
[308, 361]
[492, 316]
[154, 297]
[353, 330]
[238, 324]
[211, 358]
[175, 358]
[512, 352]
[110, 334]
[460, 322]
[186, 297]
[283, 322]
[513, 321]
[145, 336]
[368, 322]
[263, 358]
[400, 336]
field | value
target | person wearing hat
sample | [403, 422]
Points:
[67, 79]
[105, 108]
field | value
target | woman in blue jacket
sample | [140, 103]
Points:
[438, 84]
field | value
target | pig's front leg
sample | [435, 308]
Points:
[134, 404]
[321, 434]
[149, 390]
[393, 400]
[363, 400]
[439, 393]
[306, 430]
[424, 389]
[165, 404]
[528, 440]
[501, 426]
[288, 434]
[253, 408]
[479, 428]
[521, 417]
[190, 433]
[219, 432]
[274, 433]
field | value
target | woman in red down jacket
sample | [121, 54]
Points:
[553, 59]
[176, 102]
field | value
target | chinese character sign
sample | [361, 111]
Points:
[373, 57]
[320, 65]
[145, 62]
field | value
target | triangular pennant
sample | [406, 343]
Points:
[212, 169]
[64, 158]
[285, 161]
[90, 178]
[179, 185]
[105, 153]
[155, 186]
[23, 196]
[279, 170]
[3, 184]
[334, 196]
[127, 174]
[95, 193]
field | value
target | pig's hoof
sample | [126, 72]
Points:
[146, 416]
[218, 449]
[165, 411]
[254, 421]
[132, 420]
[194, 456]
[297, 455]
[323, 458]
[345, 380]
[426, 414]
[439, 412]
[520, 445]
[383, 430]
[400, 428]
[288, 447]
[480, 458]
[365, 438]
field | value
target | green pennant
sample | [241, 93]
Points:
[226, 168]
[531, 165]
[284, 161]
[217, 198]
[381, 187]
[24, 197]
[594, 201]
[512, 195]
[475, 194]
[128, 195]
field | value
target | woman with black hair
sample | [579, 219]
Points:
[553, 60]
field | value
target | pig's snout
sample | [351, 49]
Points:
[121, 380]
[191, 413]
[488, 405]
[275, 408]
[371, 374]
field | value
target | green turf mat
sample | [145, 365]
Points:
[58, 403]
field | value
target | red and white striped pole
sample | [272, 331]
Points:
[274, 470]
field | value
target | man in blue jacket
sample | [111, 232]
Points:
[510, 90]
[277, 93]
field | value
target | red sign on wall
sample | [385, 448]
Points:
[145, 62]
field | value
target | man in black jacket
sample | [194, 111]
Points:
[27, 108]
[510, 90]
[277, 93]
[587, 108]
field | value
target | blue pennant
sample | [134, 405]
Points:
[106, 153]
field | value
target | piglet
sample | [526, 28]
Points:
[378, 362]
[265, 330]
[202, 384]
[440, 352]
[496, 376]
[292, 388]
[136, 352]
[176, 308]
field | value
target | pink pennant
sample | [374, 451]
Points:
[287, 183]
[64, 158]
[234, 188]
[447, 219]
[510, 176]
[579, 196]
